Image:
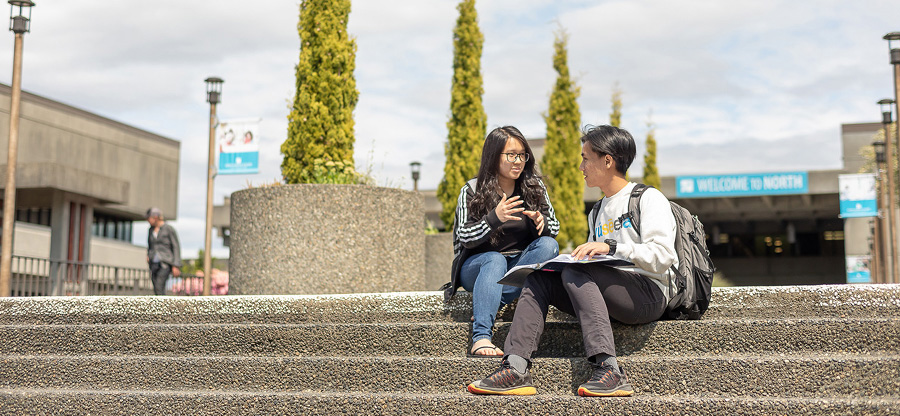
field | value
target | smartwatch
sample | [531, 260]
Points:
[612, 246]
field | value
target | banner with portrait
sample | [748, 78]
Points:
[238, 143]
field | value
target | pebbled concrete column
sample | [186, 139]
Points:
[326, 239]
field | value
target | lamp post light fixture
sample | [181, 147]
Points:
[879, 153]
[213, 96]
[19, 23]
[416, 168]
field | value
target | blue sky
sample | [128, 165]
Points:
[732, 86]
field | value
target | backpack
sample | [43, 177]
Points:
[694, 274]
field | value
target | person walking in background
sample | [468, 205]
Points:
[163, 251]
[503, 218]
[594, 292]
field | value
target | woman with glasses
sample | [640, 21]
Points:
[503, 218]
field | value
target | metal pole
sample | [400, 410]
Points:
[9, 199]
[876, 252]
[892, 170]
[881, 221]
[210, 177]
[881, 243]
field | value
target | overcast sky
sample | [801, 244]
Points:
[733, 86]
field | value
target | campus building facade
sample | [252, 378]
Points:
[82, 180]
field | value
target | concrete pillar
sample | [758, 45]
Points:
[857, 233]
[70, 243]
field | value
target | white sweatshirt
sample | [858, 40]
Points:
[653, 252]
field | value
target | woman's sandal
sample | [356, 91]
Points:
[474, 354]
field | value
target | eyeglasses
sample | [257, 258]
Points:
[512, 157]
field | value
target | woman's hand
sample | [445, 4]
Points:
[507, 208]
[537, 218]
[588, 250]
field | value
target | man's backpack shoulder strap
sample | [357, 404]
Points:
[634, 206]
[592, 217]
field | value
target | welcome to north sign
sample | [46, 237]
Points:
[708, 186]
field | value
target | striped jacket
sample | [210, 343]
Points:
[473, 232]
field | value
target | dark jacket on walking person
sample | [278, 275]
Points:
[163, 251]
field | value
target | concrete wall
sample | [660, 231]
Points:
[125, 169]
[110, 252]
[768, 271]
[438, 260]
[854, 137]
[34, 241]
[31, 240]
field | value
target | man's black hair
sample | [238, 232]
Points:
[612, 141]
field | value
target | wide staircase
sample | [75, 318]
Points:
[815, 350]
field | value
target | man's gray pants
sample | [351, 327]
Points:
[593, 293]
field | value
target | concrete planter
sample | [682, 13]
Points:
[326, 239]
[438, 260]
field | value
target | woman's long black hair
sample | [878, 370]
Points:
[488, 192]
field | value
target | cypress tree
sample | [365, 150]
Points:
[320, 124]
[651, 173]
[562, 151]
[615, 117]
[468, 122]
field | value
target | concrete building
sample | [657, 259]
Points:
[81, 181]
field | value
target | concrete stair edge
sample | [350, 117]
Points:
[561, 339]
[799, 375]
[734, 302]
[129, 402]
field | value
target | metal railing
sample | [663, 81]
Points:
[34, 276]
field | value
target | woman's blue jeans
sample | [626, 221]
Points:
[481, 272]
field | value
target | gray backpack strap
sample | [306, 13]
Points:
[634, 206]
[593, 218]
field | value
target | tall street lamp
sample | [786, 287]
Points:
[213, 96]
[415, 167]
[882, 243]
[19, 23]
[887, 194]
[893, 39]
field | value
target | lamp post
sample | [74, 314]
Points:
[893, 39]
[415, 167]
[213, 96]
[889, 232]
[882, 244]
[19, 23]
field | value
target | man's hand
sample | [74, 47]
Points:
[176, 271]
[537, 218]
[588, 250]
[507, 208]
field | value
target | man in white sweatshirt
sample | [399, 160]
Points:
[593, 292]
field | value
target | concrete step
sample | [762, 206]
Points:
[862, 301]
[806, 375]
[215, 403]
[561, 339]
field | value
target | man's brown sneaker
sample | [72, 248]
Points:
[606, 382]
[505, 381]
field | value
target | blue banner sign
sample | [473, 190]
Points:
[784, 183]
[857, 194]
[858, 269]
